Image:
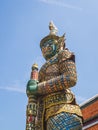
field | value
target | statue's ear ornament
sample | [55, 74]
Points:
[61, 42]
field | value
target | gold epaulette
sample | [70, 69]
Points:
[64, 55]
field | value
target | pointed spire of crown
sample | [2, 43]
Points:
[53, 29]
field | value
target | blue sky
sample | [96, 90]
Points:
[22, 25]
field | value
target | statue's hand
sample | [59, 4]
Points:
[32, 87]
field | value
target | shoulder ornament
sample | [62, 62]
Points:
[65, 55]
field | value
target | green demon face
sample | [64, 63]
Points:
[49, 48]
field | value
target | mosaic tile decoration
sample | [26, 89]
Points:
[64, 121]
[51, 104]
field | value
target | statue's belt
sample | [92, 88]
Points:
[57, 98]
[60, 102]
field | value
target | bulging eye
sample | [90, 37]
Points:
[47, 45]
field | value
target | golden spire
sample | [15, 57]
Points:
[53, 29]
[35, 66]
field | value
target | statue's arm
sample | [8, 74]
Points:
[66, 79]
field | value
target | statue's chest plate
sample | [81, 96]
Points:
[50, 69]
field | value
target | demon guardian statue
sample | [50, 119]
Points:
[51, 104]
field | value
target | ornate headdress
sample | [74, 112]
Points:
[60, 41]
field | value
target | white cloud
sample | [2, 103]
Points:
[62, 4]
[15, 89]
[80, 99]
